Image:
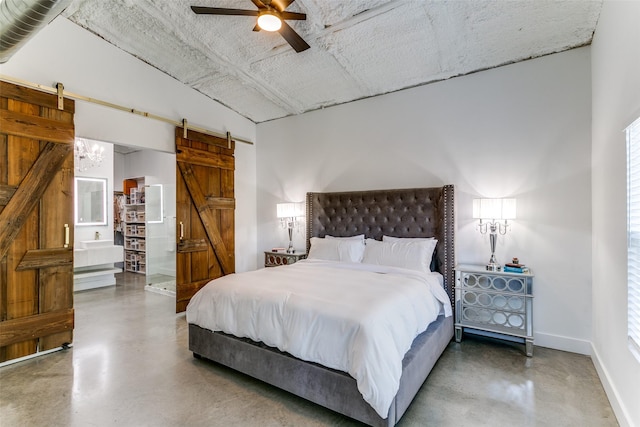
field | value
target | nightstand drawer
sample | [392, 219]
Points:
[275, 259]
[492, 283]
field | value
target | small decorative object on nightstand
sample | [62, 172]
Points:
[496, 304]
[274, 259]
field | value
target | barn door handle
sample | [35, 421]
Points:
[181, 230]
[66, 235]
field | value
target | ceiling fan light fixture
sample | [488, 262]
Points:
[268, 21]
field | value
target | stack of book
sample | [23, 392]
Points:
[515, 268]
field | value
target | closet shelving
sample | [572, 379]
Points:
[135, 247]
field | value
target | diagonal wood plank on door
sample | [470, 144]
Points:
[207, 217]
[205, 211]
[36, 201]
[30, 191]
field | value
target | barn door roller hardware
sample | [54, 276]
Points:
[60, 89]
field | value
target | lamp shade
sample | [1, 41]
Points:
[494, 209]
[508, 209]
[289, 210]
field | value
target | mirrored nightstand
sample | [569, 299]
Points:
[275, 259]
[494, 303]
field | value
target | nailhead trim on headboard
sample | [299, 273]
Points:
[449, 254]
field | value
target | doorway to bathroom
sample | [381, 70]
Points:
[125, 216]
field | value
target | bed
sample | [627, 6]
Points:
[405, 213]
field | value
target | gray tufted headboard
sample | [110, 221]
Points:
[415, 212]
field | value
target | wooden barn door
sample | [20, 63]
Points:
[205, 207]
[36, 221]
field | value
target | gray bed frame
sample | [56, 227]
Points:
[418, 212]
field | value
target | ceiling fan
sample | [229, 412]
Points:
[271, 16]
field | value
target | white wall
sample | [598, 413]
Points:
[89, 66]
[119, 173]
[522, 131]
[616, 103]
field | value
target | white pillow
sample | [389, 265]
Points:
[413, 255]
[406, 239]
[344, 250]
[432, 241]
[358, 237]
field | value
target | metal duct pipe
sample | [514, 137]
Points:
[21, 19]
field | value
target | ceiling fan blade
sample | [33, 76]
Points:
[293, 15]
[296, 42]
[258, 4]
[222, 11]
[281, 5]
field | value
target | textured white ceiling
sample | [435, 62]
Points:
[358, 48]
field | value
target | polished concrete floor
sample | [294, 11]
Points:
[130, 366]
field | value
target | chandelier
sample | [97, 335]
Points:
[87, 154]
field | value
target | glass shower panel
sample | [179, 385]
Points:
[161, 236]
[155, 210]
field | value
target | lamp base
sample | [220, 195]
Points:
[290, 249]
[493, 267]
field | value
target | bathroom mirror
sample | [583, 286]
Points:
[91, 201]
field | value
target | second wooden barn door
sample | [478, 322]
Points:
[36, 222]
[205, 208]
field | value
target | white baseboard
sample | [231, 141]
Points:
[611, 391]
[585, 347]
[559, 342]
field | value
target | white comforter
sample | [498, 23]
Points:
[348, 317]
